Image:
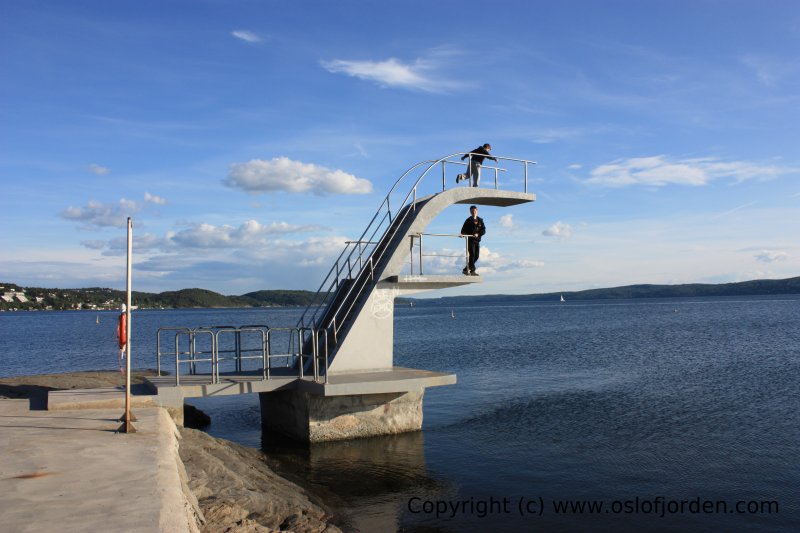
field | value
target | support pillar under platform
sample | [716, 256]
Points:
[309, 417]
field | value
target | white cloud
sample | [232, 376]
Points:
[770, 71]
[392, 73]
[246, 35]
[249, 233]
[203, 237]
[507, 221]
[209, 256]
[94, 244]
[153, 199]
[142, 244]
[575, 166]
[98, 170]
[771, 256]
[658, 171]
[96, 214]
[283, 174]
[491, 262]
[562, 230]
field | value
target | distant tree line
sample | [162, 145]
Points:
[37, 298]
[762, 287]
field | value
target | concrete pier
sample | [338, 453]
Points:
[70, 471]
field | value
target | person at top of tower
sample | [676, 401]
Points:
[476, 158]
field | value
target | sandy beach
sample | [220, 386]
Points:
[235, 489]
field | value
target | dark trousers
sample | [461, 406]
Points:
[473, 251]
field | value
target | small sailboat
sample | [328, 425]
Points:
[452, 314]
[97, 319]
[562, 299]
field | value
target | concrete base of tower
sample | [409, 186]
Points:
[308, 417]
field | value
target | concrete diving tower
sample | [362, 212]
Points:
[352, 317]
[368, 343]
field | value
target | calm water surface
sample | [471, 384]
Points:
[662, 400]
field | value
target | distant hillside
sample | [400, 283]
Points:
[188, 298]
[37, 298]
[277, 297]
[744, 288]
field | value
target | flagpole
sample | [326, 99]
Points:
[128, 418]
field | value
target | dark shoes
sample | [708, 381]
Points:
[460, 178]
[468, 272]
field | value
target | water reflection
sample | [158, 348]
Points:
[366, 482]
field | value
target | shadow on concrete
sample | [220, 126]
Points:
[35, 394]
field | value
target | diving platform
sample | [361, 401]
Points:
[333, 376]
[397, 379]
[421, 282]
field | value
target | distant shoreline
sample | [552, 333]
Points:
[103, 299]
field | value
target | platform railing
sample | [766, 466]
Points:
[358, 256]
[416, 246]
[216, 352]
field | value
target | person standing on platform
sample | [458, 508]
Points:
[473, 229]
[476, 158]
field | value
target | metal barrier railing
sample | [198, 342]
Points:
[421, 254]
[217, 352]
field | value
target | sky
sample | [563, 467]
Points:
[248, 140]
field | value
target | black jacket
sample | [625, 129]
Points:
[472, 226]
[478, 155]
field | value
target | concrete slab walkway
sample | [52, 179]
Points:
[71, 471]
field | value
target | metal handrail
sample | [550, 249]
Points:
[158, 343]
[240, 352]
[371, 262]
[192, 333]
[419, 236]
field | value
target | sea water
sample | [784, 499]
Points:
[669, 414]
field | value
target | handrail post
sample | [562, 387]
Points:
[192, 350]
[526, 176]
[444, 178]
[315, 351]
[264, 359]
[158, 350]
[411, 254]
[177, 360]
[300, 351]
[238, 350]
[214, 359]
[214, 356]
[420, 254]
[269, 364]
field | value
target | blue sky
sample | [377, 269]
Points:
[250, 139]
